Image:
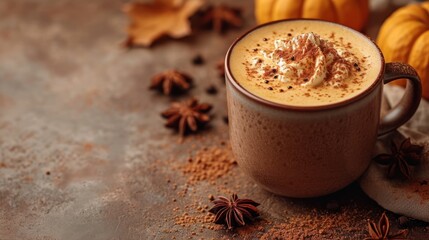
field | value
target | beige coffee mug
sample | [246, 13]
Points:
[313, 151]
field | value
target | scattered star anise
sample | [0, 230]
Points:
[381, 230]
[171, 81]
[234, 212]
[401, 158]
[187, 115]
[220, 17]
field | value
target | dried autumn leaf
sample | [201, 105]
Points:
[150, 21]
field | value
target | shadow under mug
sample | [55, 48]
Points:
[313, 151]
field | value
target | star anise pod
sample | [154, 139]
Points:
[401, 158]
[187, 115]
[220, 17]
[234, 212]
[171, 81]
[380, 231]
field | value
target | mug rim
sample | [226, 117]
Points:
[230, 78]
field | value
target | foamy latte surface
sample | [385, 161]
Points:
[305, 63]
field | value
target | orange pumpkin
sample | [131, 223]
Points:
[352, 13]
[404, 37]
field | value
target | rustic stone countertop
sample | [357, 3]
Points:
[83, 150]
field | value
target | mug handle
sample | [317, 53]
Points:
[409, 103]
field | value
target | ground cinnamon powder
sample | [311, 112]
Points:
[205, 165]
[421, 187]
[213, 165]
[321, 225]
[208, 164]
[186, 220]
[195, 217]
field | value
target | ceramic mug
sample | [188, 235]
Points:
[285, 149]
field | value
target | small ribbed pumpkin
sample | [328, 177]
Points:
[352, 13]
[404, 37]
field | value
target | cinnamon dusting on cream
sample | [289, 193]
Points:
[306, 60]
[350, 62]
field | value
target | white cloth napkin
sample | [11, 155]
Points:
[409, 198]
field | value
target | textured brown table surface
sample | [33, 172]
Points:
[83, 150]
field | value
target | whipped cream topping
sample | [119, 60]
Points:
[305, 59]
